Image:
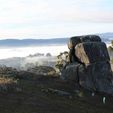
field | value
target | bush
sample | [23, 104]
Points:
[62, 60]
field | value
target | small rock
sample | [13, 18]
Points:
[93, 94]
[104, 100]
[18, 89]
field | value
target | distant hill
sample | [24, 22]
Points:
[33, 42]
[106, 37]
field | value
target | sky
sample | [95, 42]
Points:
[54, 18]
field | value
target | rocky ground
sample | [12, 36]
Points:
[37, 93]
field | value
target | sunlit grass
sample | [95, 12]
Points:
[5, 81]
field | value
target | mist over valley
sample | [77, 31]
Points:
[22, 54]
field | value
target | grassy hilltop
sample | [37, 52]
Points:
[40, 90]
[28, 92]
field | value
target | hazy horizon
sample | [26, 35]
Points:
[41, 38]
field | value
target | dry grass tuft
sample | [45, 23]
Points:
[6, 81]
[7, 84]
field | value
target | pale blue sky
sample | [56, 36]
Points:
[54, 18]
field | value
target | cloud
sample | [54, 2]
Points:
[23, 11]
[44, 18]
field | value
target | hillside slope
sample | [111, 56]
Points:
[40, 94]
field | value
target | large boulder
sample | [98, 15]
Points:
[90, 38]
[73, 41]
[97, 76]
[95, 38]
[91, 52]
[94, 77]
[92, 69]
[70, 73]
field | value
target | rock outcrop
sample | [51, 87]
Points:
[73, 41]
[94, 72]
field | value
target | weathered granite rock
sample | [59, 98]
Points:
[70, 73]
[95, 77]
[85, 38]
[91, 52]
[73, 41]
[95, 38]
[93, 72]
